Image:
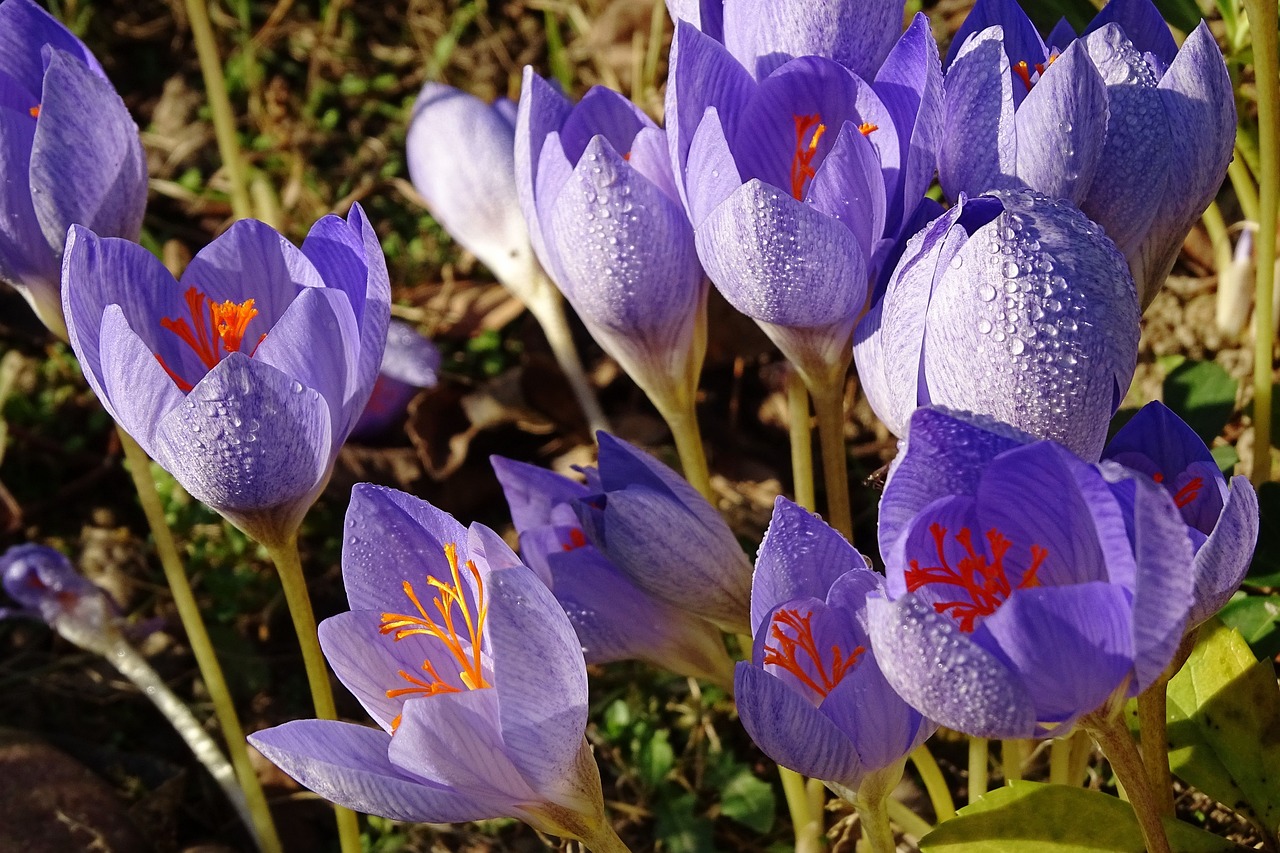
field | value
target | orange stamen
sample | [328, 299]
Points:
[786, 652]
[442, 626]
[226, 324]
[986, 583]
[1024, 73]
[34, 112]
[802, 161]
[867, 128]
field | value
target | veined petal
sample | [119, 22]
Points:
[25, 258]
[554, 173]
[764, 34]
[649, 157]
[1142, 24]
[712, 173]
[24, 29]
[532, 491]
[542, 110]
[87, 165]
[978, 151]
[134, 387]
[1022, 42]
[849, 186]
[881, 725]
[1223, 560]
[944, 674]
[601, 112]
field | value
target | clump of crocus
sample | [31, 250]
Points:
[812, 695]
[1222, 522]
[1011, 305]
[461, 156]
[244, 378]
[71, 154]
[409, 364]
[1135, 131]
[614, 618]
[471, 671]
[1028, 588]
[597, 191]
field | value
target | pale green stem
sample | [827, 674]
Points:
[808, 826]
[1081, 755]
[1121, 751]
[289, 566]
[1012, 754]
[1232, 302]
[1266, 52]
[682, 419]
[1246, 190]
[801, 441]
[911, 823]
[606, 841]
[979, 756]
[201, 647]
[1060, 761]
[935, 784]
[872, 803]
[828, 402]
[1153, 726]
[224, 120]
[548, 309]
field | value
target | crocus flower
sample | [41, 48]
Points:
[1027, 589]
[763, 34]
[664, 536]
[45, 585]
[614, 619]
[798, 185]
[812, 696]
[1011, 305]
[469, 668]
[1222, 522]
[244, 378]
[409, 364]
[1135, 131]
[69, 153]
[597, 191]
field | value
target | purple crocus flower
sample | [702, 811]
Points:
[1222, 522]
[812, 696]
[48, 587]
[605, 219]
[243, 379]
[1028, 587]
[763, 34]
[664, 536]
[409, 364]
[469, 668]
[614, 618]
[799, 184]
[1011, 305]
[69, 153]
[1135, 131]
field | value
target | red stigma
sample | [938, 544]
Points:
[216, 328]
[576, 540]
[806, 148]
[34, 112]
[986, 583]
[787, 649]
[1189, 492]
[1024, 74]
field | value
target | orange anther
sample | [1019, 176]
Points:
[1024, 73]
[867, 128]
[215, 330]
[34, 112]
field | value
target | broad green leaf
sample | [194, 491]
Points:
[1265, 569]
[680, 829]
[1257, 618]
[1032, 817]
[1226, 458]
[655, 758]
[1224, 724]
[750, 801]
[1203, 395]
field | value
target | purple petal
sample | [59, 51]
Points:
[554, 173]
[134, 387]
[532, 491]
[87, 165]
[849, 186]
[390, 537]
[1022, 42]
[978, 151]
[790, 730]
[764, 34]
[800, 557]
[460, 153]
[542, 110]
[539, 671]
[348, 764]
[1070, 646]
[601, 112]
[24, 29]
[1142, 24]
[25, 258]
[651, 158]
[944, 674]
[250, 442]
[712, 175]
[883, 728]
[1060, 36]
[410, 357]
[1223, 560]
[1061, 127]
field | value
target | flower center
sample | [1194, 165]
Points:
[576, 540]
[443, 626]
[809, 130]
[1024, 71]
[984, 581]
[216, 328]
[792, 634]
[1185, 495]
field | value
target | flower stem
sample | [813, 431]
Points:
[1012, 754]
[828, 402]
[1121, 751]
[606, 841]
[547, 307]
[289, 566]
[911, 823]
[201, 647]
[224, 120]
[872, 803]
[801, 441]
[944, 808]
[1266, 52]
[682, 419]
[1060, 761]
[1153, 726]
[979, 755]
[808, 826]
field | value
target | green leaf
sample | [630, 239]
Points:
[1202, 394]
[1224, 724]
[1265, 569]
[1257, 618]
[679, 829]
[750, 801]
[1226, 458]
[1032, 817]
[655, 758]
[1183, 14]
